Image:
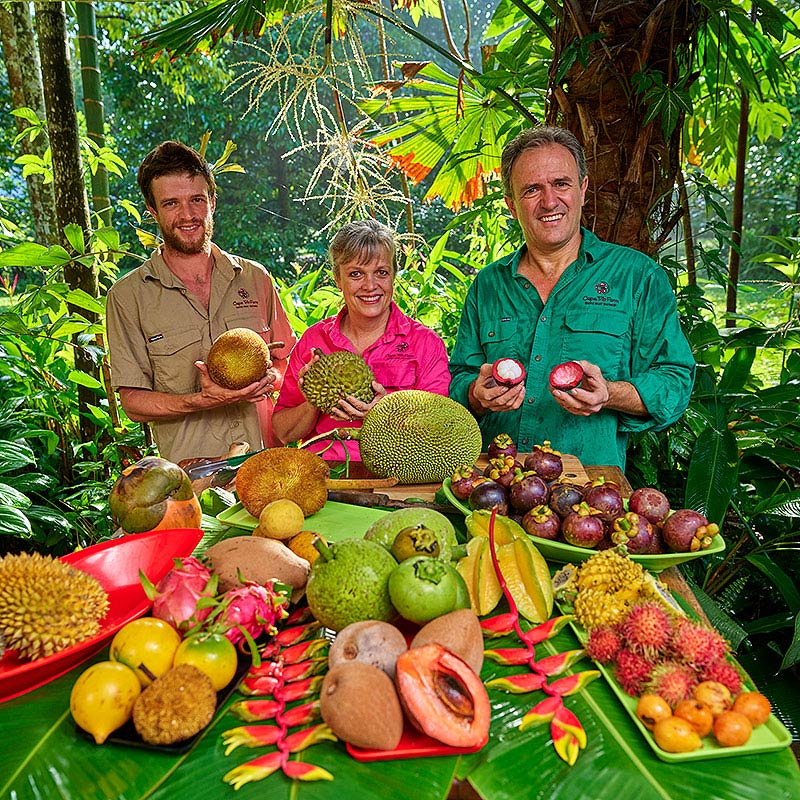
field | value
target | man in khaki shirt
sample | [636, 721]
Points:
[163, 317]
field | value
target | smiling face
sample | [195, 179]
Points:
[367, 286]
[184, 212]
[547, 197]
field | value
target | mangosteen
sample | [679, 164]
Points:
[543, 522]
[544, 461]
[489, 495]
[606, 497]
[583, 527]
[502, 470]
[501, 445]
[462, 481]
[563, 496]
[566, 376]
[527, 490]
[649, 503]
[687, 531]
[507, 372]
[635, 532]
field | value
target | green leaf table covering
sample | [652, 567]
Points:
[42, 757]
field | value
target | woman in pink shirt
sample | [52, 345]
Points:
[402, 353]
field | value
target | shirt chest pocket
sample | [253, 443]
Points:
[250, 321]
[396, 375]
[600, 337]
[172, 357]
[499, 338]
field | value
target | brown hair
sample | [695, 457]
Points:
[536, 137]
[172, 158]
[361, 240]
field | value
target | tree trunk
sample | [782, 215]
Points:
[93, 103]
[632, 163]
[735, 252]
[25, 88]
[72, 205]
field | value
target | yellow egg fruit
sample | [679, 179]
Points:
[102, 698]
[211, 653]
[147, 645]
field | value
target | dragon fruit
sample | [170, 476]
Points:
[178, 598]
[250, 610]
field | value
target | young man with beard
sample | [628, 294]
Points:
[162, 318]
[565, 295]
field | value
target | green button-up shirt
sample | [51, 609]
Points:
[614, 307]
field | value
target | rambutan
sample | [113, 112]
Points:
[603, 644]
[697, 644]
[647, 629]
[632, 671]
[723, 672]
[673, 681]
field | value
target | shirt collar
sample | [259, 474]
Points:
[398, 324]
[157, 269]
[589, 252]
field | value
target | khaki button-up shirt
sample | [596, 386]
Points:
[157, 329]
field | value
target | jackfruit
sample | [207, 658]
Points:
[337, 376]
[418, 437]
[46, 605]
[238, 358]
[283, 473]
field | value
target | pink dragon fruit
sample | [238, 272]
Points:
[250, 610]
[180, 597]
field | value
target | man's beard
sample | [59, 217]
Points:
[174, 242]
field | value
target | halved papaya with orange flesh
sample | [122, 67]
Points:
[443, 697]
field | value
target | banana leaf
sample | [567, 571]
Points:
[44, 756]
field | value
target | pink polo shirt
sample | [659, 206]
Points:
[407, 356]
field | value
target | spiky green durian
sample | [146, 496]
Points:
[336, 376]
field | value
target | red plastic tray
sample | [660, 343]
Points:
[413, 744]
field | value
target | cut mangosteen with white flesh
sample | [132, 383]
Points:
[566, 376]
[508, 372]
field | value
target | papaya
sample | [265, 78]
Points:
[443, 697]
[527, 577]
[154, 494]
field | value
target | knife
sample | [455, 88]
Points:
[377, 500]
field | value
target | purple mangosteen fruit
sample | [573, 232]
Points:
[462, 481]
[489, 495]
[543, 522]
[502, 445]
[566, 376]
[507, 372]
[606, 497]
[563, 496]
[634, 531]
[687, 531]
[649, 503]
[527, 490]
[544, 461]
[502, 470]
[583, 527]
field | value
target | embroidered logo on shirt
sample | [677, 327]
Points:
[402, 347]
[243, 293]
[601, 288]
[155, 338]
[602, 298]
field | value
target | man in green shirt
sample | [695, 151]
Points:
[565, 295]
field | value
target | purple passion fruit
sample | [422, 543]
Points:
[566, 376]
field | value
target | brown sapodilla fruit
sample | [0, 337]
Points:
[371, 641]
[460, 632]
[359, 703]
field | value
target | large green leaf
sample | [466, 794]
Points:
[713, 473]
[44, 757]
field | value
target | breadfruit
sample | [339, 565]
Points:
[46, 605]
[418, 437]
[336, 376]
[283, 472]
[238, 358]
[175, 706]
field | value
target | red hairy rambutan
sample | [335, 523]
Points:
[632, 671]
[673, 681]
[725, 673]
[603, 644]
[647, 629]
[697, 644]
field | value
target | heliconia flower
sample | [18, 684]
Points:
[255, 710]
[250, 736]
[570, 723]
[510, 656]
[558, 663]
[572, 683]
[298, 633]
[305, 737]
[185, 595]
[499, 625]
[543, 711]
[304, 669]
[300, 715]
[300, 615]
[518, 684]
[547, 629]
[304, 650]
[565, 744]
[301, 771]
[255, 770]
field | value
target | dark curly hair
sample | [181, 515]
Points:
[173, 158]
